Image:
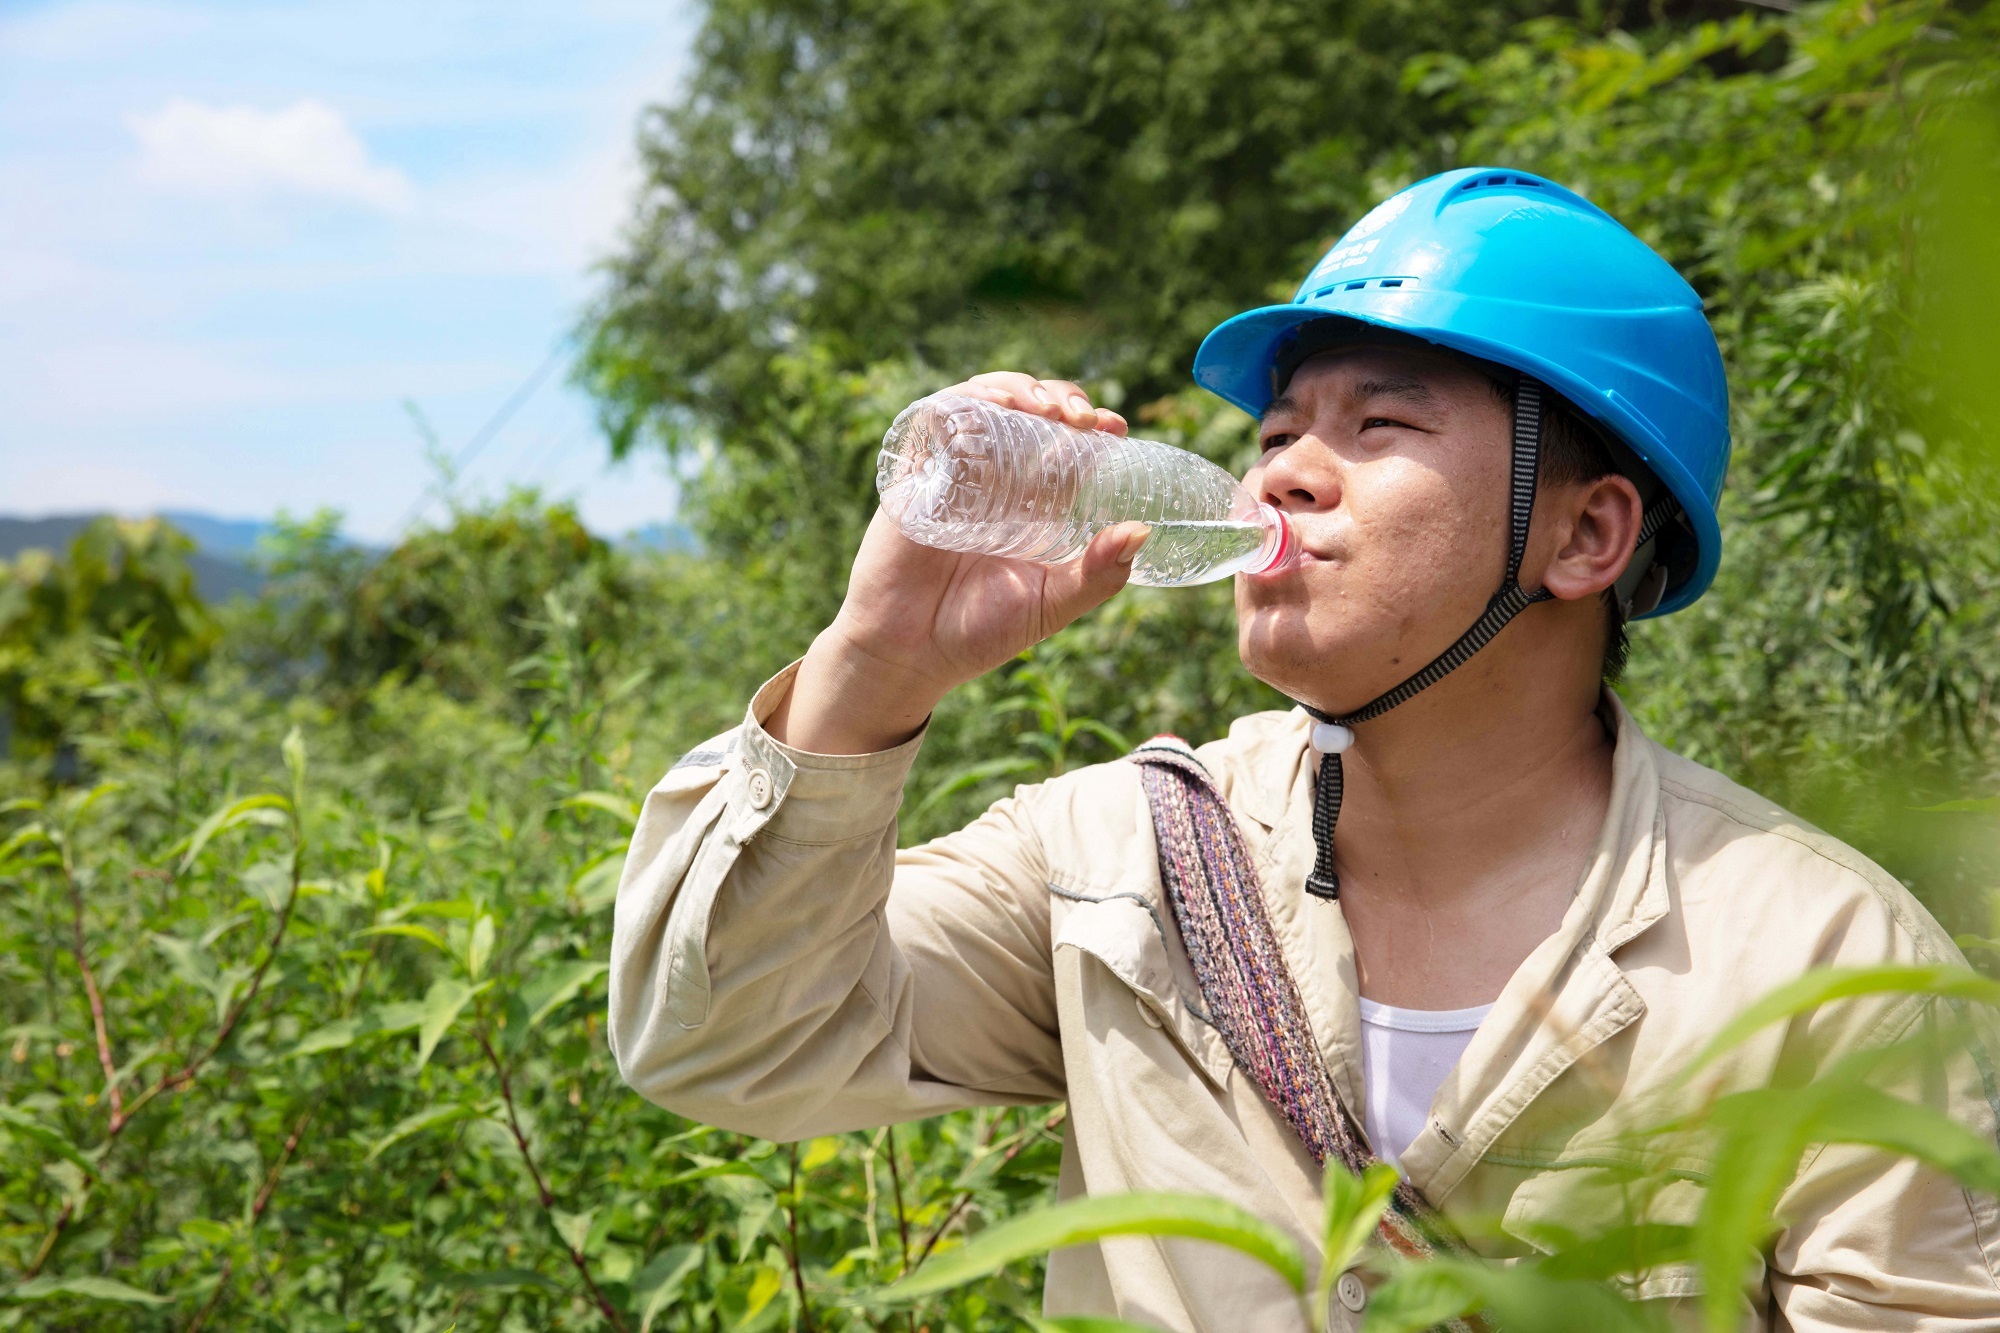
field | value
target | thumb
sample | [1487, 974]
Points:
[1077, 587]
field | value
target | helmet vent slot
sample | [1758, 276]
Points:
[1492, 182]
[1360, 284]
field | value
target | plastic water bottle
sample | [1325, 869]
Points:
[962, 474]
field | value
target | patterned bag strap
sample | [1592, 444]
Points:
[1218, 902]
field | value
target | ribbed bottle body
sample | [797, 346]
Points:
[961, 474]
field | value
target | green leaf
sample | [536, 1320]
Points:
[711, 1172]
[293, 748]
[452, 909]
[655, 1286]
[1354, 1205]
[479, 947]
[1761, 1136]
[557, 984]
[502, 1279]
[270, 883]
[189, 961]
[595, 884]
[424, 933]
[1417, 1296]
[263, 808]
[750, 1223]
[429, 1118]
[25, 1126]
[91, 1288]
[398, 1016]
[334, 1036]
[971, 776]
[202, 1231]
[1621, 1251]
[23, 837]
[819, 1152]
[1082, 1220]
[443, 1003]
[80, 806]
[769, 1282]
[1987, 805]
[627, 811]
[1837, 983]
[574, 1228]
[1866, 1116]
[1521, 1298]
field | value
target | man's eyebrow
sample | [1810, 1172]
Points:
[1412, 391]
[1279, 406]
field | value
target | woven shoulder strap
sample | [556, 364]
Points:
[1218, 902]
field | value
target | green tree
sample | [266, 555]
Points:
[1084, 189]
[122, 580]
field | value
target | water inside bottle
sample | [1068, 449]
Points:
[1181, 553]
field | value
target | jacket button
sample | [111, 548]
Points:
[1146, 1012]
[1351, 1293]
[760, 788]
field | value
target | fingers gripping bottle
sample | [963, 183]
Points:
[961, 474]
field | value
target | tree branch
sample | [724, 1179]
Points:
[543, 1194]
[792, 1250]
[179, 1080]
[78, 950]
[965, 1196]
[257, 1207]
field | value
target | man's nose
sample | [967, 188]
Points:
[1297, 477]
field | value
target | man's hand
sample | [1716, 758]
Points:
[918, 622]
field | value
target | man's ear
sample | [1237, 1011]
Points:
[1596, 525]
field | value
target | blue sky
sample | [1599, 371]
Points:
[234, 238]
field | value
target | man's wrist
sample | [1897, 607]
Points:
[846, 700]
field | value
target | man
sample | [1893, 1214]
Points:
[1510, 917]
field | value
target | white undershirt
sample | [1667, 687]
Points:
[1405, 1054]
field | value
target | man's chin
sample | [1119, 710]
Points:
[1277, 650]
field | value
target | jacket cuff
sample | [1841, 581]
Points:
[805, 797]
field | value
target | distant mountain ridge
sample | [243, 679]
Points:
[224, 559]
[221, 563]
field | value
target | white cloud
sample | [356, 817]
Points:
[305, 148]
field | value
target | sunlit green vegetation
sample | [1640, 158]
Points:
[306, 900]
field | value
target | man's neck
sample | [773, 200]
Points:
[1467, 821]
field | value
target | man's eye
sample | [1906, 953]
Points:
[1373, 422]
[1277, 441]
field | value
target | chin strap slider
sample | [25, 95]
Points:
[1331, 737]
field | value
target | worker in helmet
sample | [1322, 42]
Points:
[1495, 920]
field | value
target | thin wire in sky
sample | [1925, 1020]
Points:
[484, 435]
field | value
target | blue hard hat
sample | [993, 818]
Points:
[1514, 269]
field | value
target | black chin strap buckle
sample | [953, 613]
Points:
[1324, 880]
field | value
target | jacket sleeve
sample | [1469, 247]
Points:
[1877, 1241]
[778, 968]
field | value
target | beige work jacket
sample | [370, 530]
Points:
[780, 968]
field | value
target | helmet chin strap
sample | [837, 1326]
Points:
[1332, 734]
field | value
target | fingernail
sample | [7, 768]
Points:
[1129, 551]
[1041, 396]
[1078, 403]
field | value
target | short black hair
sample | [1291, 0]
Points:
[1574, 450]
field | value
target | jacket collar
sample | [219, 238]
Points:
[1565, 999]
